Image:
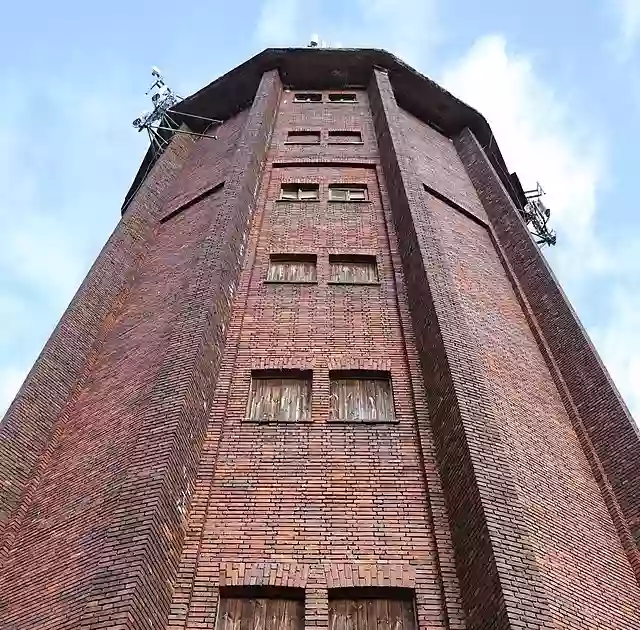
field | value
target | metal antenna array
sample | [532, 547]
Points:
[160, 119]
[536, 216]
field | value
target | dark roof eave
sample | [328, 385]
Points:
[333, 68]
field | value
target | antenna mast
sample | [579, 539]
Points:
[160, 119]
[536, 216]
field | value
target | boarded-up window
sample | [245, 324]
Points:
[280, 396]
[353, 269]
[342, 98]
[307, 97]
[299, 192]
[292, 268]
[345, 137]
[358, 396]
[303, 137]
[348, 192]
[371, 609]
[265, 611]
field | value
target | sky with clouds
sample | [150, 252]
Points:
[558, 82]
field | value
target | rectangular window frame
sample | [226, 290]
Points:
[307, 97]
[360, 604]
[338, 382]
[304, 133]
[268, 417]
[342, 97]
[358, 259]
[351, 193]
[302, 191]
[239, 602]
[333, 137]
[292, 258]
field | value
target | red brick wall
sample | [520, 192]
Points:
[611, 438]
[102, 528]
[29, 424]
[514, 471]
[133, 486]
[207, 164]
[572, 535]
[317, 495]
[436, 163]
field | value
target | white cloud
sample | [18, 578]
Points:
[627, 16]
[62, 179]
[277, 25]
[407, 28]
[619, 343]
[542, 139]
[10, 380]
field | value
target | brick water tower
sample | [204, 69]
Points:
[320, 376]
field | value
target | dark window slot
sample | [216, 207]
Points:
[303, 137]
[307, 97]
[342, 98]
[299, 192]
[345, 137]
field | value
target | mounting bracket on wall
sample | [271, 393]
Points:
[160, 123]
[536, 216]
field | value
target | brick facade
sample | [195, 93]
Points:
[134, 487]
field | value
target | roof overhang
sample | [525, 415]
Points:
[334, 68]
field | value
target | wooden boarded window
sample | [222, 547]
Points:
[353, 269]
[303, 137]
[299, 192]
[345, 137]
[280, 396]
[342, 98]
[348, 192]
[361, 396]
[261, 609]
[371, 609]
[307, 97]
[292, 268]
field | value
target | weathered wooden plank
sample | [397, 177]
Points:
[361, 400]
[279, 399]
[356, 272]
[371, 614]
[291, 271]
[261, 613]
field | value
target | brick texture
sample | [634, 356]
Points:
[30, 423]
[472, 363]
[110, 501]
[133, 486]
[570, 530]
[611, 433]
[316, 495]
[464, 423]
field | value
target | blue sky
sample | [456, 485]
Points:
[558, 82]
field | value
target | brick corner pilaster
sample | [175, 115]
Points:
[460, 405]
[612, 440]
